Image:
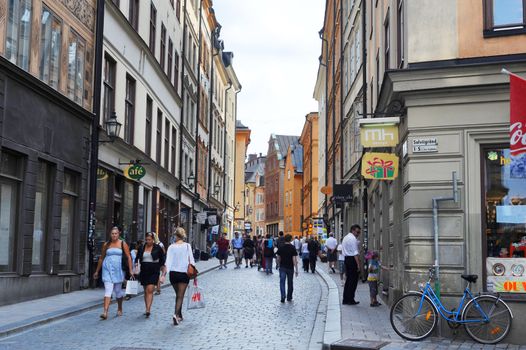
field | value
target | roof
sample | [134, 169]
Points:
[296, 153]
[283, 142]
[251, 172]
[240, 125]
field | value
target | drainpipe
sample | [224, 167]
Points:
[94, 150]
[211, 113]
[364, 114]
[224, 144]
[181, 153]
[436, 200]
[333, 93]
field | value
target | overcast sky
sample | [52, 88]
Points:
[276, 49]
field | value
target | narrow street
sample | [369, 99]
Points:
[243, 311]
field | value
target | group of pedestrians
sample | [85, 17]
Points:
[153, 264]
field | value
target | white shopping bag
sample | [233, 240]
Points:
[132, 287]
[195, 297]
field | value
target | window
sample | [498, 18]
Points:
[18, 36]
[148, 131]
[153, 24]
[116, 2]
[109, 87]
[503, 17]
[67, 220]
[176, 71]
[133, 14]
[50, 43]
[159, 136]
[387, 43]
[172, 3]
[167, 144]
[504, 223]
[178, 10]
[129, 113]
[76, 53]
[174, 140]
[163, 46]
[170, 58]
[40, 222]
[10, 176]
[400, 34]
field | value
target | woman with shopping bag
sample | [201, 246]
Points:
[115, 262]
[181, 266]
[151, 259]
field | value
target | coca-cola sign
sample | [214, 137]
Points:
[517, 115]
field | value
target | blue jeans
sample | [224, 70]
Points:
[269, 260]
[287, 274]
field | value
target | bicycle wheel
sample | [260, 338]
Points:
[499, 324]
[413, 316]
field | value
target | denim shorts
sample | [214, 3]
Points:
[373, 288]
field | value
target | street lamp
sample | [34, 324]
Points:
[191, 180]
[113, 128]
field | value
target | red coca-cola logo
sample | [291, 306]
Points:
[518, 138]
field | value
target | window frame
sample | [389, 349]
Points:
[490, 30]
[153, 28]
[109, 83]
[167, 144]
[159, 134]
[129, 110]
[76, 38]
[169, 62]
[148, 131]
[49, 50]
[162, 53]
[46, 210]
[173, 149]
[133, 14]
[74, 196]
[25, 61]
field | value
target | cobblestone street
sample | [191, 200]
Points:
[243, 312]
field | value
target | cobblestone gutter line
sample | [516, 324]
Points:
[33, 322]
[333, 325]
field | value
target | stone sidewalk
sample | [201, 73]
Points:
[365, 327]
[18, 317]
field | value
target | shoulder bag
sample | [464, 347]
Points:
[124, 263]
[191, 271]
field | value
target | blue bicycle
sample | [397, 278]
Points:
[486, 318]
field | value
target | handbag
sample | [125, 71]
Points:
[191, 270]
[124, 263]
[195, 298]
[132, 287]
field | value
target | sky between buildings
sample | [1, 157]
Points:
[276, 48]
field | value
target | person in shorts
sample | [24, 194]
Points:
[332, 256]
[222, 251]
[237, 248]
[372, 278]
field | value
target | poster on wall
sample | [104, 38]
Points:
[380, 166]
[506, 275]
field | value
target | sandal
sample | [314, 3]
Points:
[104, 316]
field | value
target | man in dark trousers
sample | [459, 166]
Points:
[279, 243]
[314, 249]
[351, 252]
[288, 262]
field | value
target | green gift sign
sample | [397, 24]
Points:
[135, 172]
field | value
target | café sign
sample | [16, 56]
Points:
[380, 166]
[135, 172]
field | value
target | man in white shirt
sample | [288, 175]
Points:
[332, 255]
[351, 252]
[297, 245]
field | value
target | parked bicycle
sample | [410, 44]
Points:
[486, 318]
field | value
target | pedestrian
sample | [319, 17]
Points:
[279, 243]
[331, 244]
[268, 253]
[288, 264]
[222, 251]
[255, 242]
[372, 278]
[341, 263]
[114, 259]
[305, 255]
[237, 247]
[133, 254]
[297, 245]
[248, 250]
[178, 257]
[160, 244]
[151, 258]
[314, 251]
[351, 252]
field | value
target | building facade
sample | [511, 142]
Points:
[274, 181]
[310, 187]
[47, 58]
[254, 186]
[242, 141]
[293, 191]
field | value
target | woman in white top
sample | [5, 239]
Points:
[178, 257]
[305, 255]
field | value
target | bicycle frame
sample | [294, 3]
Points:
[457, 314]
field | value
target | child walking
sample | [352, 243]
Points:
[372, 279]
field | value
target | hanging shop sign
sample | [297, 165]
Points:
[506, 275]
[343, 193]
[379, 135]
[425, 145]
[102, 174]
[380, 166]
[135, 172]
[517, 115]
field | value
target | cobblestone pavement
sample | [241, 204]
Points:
[243, 311]
[362, 322]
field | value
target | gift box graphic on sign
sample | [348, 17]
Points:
[380, 166]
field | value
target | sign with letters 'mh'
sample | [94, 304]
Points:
[379, 135]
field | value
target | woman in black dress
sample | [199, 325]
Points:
[248, 248]
[151, 258]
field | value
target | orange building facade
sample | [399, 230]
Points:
[292, 188]
[309, 140]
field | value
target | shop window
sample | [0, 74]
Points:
[50, 44]
[101, 212]
[76, 54]
[505, 220]
[10, 178]
[67, 220]
[40, 223]
[504, 17]
[18, 35]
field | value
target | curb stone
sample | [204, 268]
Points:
[33, 322]
[333, 325]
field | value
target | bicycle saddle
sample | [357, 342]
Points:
[470, 278]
